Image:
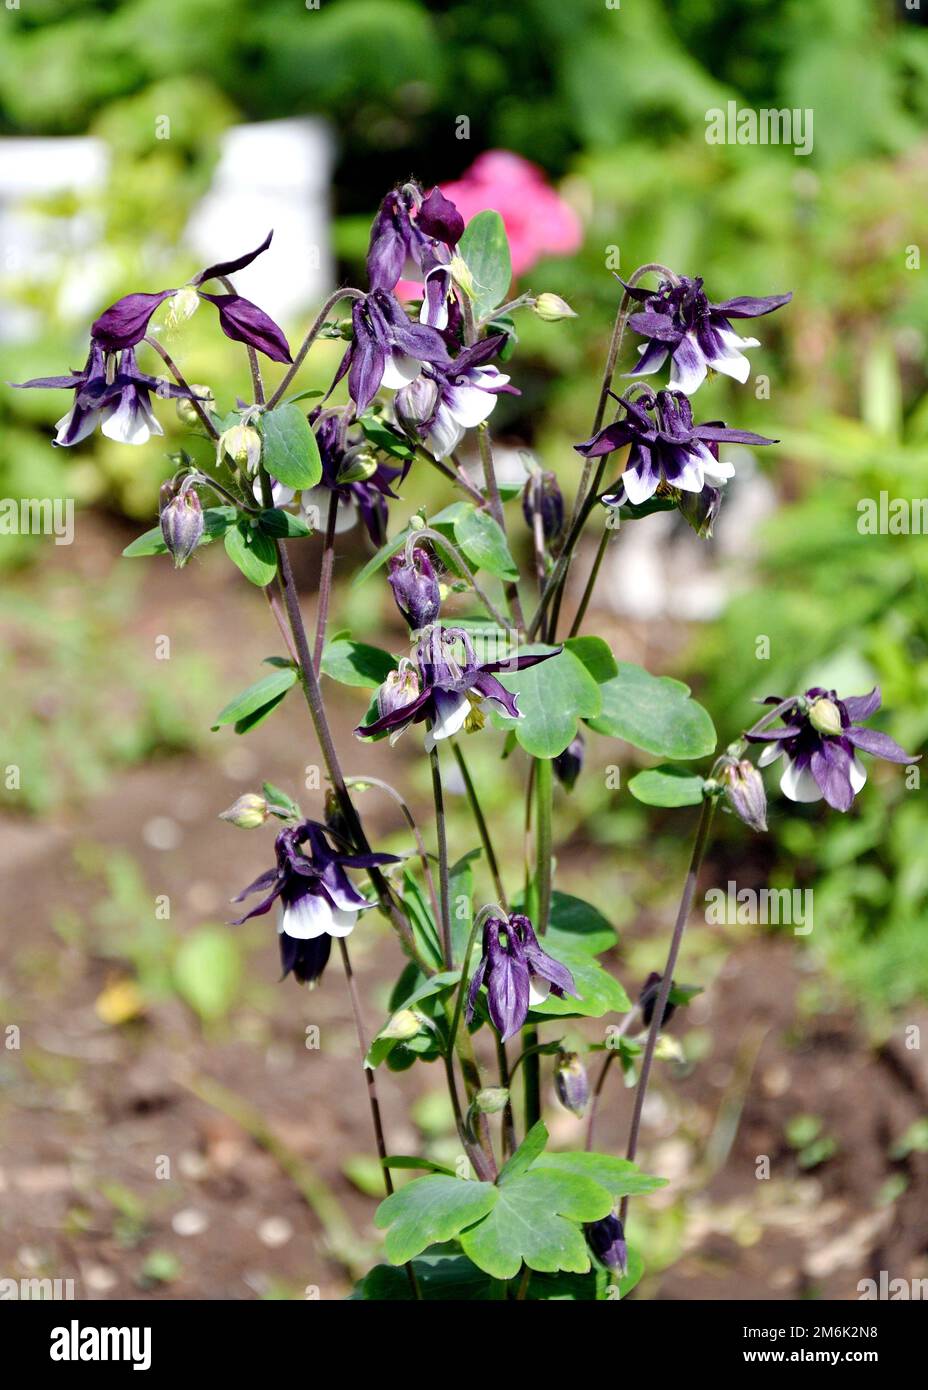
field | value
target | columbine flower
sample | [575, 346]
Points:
[415, 587]
[424, 231]
[669, 451]
[112, 392]
[679, 320]
[451, 694]
[572, 1083]
[317, 899]
[820, 736]
[125, 323]
[606, 1239]
[744, 791]
[453, 399]
[387, 348]
[365, 495]
[517, 973]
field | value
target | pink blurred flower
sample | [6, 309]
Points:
[538, 222]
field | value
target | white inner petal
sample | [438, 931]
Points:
[858, 774]
[799, 785]
[538, 989]
[771, 752]
[399, 370]
[307, 918]
[452, 711]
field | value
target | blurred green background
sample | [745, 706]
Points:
[611, 104]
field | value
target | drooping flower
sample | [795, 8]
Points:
[365, 494]
[820, 736]
[667, 450]
[647, 1000]
[517, 974]
[387, 348]
[451, 693]
[317, 898]
[125, 323]
[414, 583]
[111, 392]
[572, 1083]
[445, 402]
[542, 494]
[418, 233]
[680, 321]
[606, 1239]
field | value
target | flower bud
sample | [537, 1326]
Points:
[403, 1026]
[700, 509]
[243, 445]
[647, 1000]
[825, 716]
[542, 494]
[248, 812]
[400, 688]
[186, 410]
[181, 521]
[552, 308]
[415, 403]
[569, 764]
[491, 1100]
[744, 792]
[415, 588]
[357, 466]
[572, 1083]
[183, 306]
[606, 1239]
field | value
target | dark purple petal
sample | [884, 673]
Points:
[307, 959]
[244, 322]
[720, 434]
[651, 359]
[747, 306]
[862, 706]
[519, 663]
[491, 689]
[125, 323]
[540, 963]
[368, 360]
[660, 326]
[262, 881]
[507, 992]
[880, 745]
[636, 293]
[614, 436]
[831, 767]
[439, 218]
[396, 719]
[474, 988]
[213, 272]
[52, 383]
[478, 353]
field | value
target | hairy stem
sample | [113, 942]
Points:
[686, 901]
[325, 580]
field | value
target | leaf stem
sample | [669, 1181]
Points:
[311, 336]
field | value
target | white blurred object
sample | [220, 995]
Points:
[35, 244]
[271, 174]
[659, 568]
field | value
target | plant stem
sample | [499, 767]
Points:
[590, 584]
[604, 1072]
[686, 901]
[178, 376]
[455, 475]
[325, 580]
[443, 878]
[413, 826]
[483, 829]
[310, 338]
[544, 790]
[442, 543]
[509, 1127]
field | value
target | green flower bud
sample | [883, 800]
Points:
[460, 273]
[491, 1100]
[248, 812]
[552, 308]
[403, 1025]
[186, 411]
[825, 716]
[358, 465]
[183, 306]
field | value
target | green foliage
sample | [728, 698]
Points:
[654, 713]
[552, 696]
[290, 453]
[250, 706]
[485, 251]
[667, 786]
[356, 663]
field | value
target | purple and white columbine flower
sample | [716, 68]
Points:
[517, 974]
[387, 348]
[449, 694]
[423, 231]
[367, 496]
[110, 392]
[680, 320]
[668, 451]
[820, 737]
[445, 402]
[317, 899]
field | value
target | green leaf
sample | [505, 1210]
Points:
[380, 559]
[461, 897]
[619, 1177]
[216, 521]
[534, 1220]
[276, 522]
[354, 663]
[250, 701]
[275, 797]
[253, 552]
[577, 927]
[208, 971]
[552, 696]
[600, 993]
[667, 786]
[523, 1158]
[385, 437]
[483, 544]
[442, 1273]
[431, 1209]
[485, 250]
[414, 1161]
[290, 454]
[596, 657]
[654, 713]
